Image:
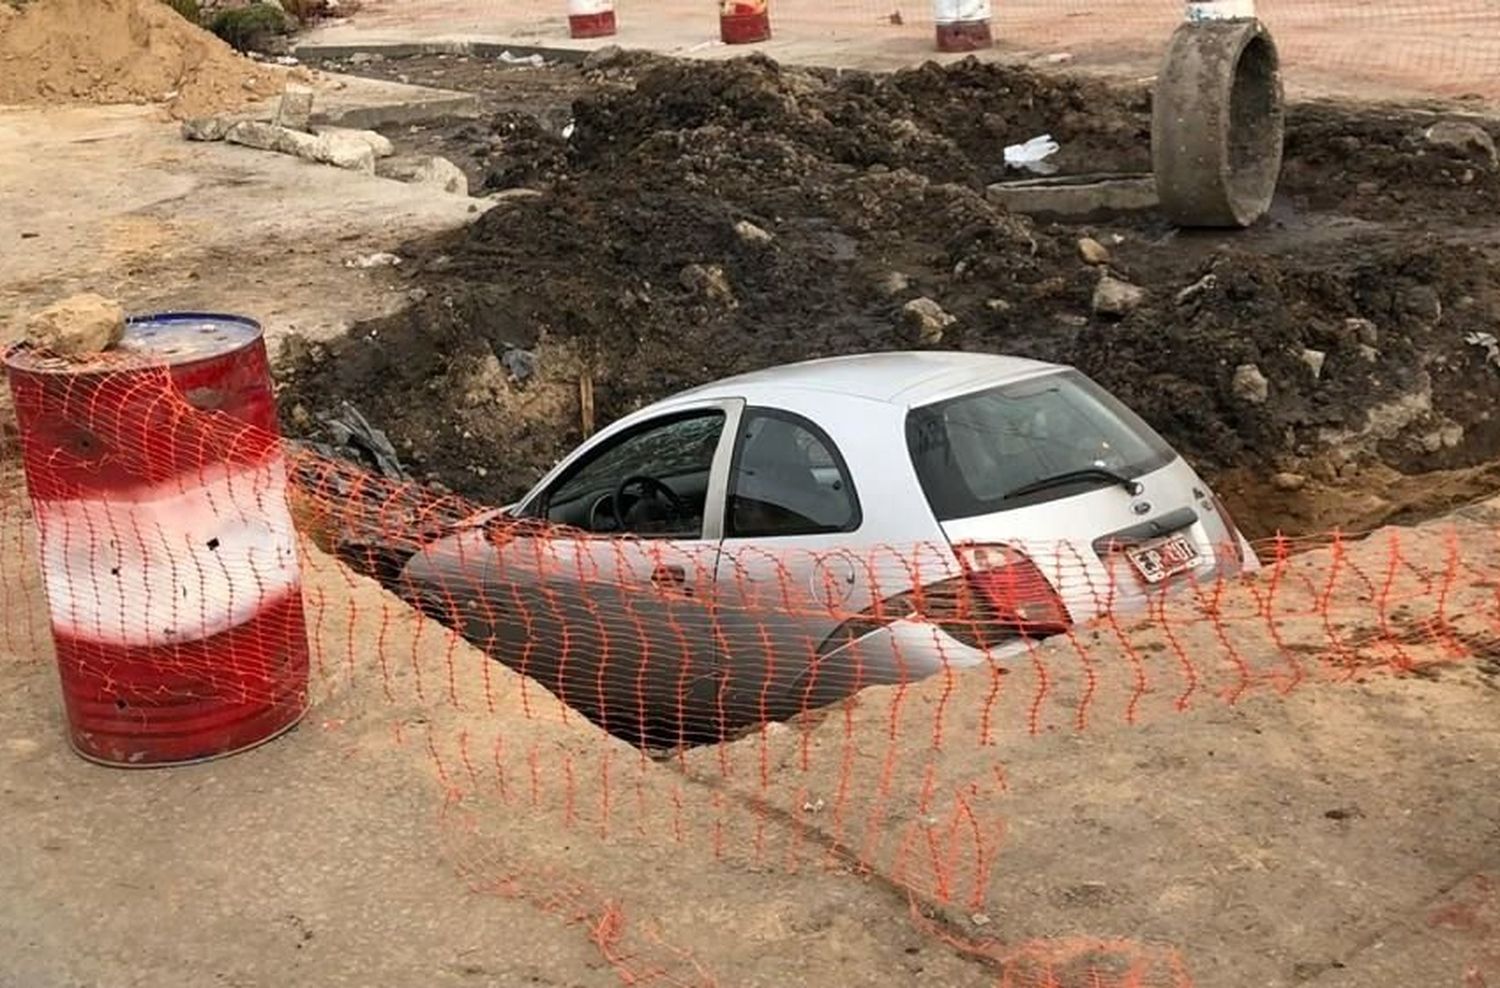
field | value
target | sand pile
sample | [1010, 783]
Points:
[122, 51]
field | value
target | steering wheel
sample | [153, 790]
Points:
[594, 512]
[648, 485]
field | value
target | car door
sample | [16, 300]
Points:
[613, 614]
[790, 565]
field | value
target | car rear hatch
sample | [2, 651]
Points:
[1061, 504]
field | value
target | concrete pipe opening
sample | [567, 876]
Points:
[1218, 123]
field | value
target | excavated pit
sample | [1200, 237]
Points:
[1326, 370]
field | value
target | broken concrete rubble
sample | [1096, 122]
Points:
[1115, 298]
[270, 137]
[344, 150]
[205, 129]
[78, 325]
[927, 319]
[295, 108]
[1465, 137]
[379, 143]
[355, 150]
[440, 173]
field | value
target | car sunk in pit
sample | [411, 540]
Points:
[776, 541]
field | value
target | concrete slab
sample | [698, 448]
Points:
[355, 101]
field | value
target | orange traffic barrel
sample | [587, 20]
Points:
[591, 18]
[962, 25]
[743, 22]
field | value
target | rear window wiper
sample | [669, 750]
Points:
[1072, 476]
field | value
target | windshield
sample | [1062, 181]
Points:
[973, 453]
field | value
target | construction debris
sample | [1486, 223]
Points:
[77, 326]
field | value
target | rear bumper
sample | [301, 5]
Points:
[907, 650]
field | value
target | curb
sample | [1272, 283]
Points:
[408, 49]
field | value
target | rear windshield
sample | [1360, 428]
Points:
[973, 452]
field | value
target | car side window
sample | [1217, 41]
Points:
[666, 463]
[789, 479]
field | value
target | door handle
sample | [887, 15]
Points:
[672, 576]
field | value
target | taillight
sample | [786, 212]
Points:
[1019, 598]
[1000, 597]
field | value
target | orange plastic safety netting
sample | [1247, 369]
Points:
[845, 714]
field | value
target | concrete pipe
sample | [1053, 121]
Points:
[1218, 122]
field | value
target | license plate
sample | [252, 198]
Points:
[1156, 561]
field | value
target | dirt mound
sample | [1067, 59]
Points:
[1382, 164]
[721, 217]
[122, 51]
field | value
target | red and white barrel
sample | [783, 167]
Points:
[591, 18]
[744, 22]
[166, 542]
[962, 25]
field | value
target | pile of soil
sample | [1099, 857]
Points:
[123, 51]
[714, 218]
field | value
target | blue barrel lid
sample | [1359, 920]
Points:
[183, 337]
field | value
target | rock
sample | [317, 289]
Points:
[1465, 137]
[1369, 353]
[1092, 251]
[1422, 302]
[1363, 330]
[894, 283]
[708, 281]
[751, 234]
[1314, 359]
[1250, 385]
[1288, 481]
[1202, 286]
[1115, 298]
[603, 58]
[1446, 436]
[77, 325]
[927, 319]
[1367, 188]
[515, 195]
[365, 57]
[295, 108]
[520, 364]
[343, 150]
[998, 305]
[205, 129]
[269, 137]
[379, 143]
[440, 173]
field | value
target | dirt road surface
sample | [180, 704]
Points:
[113, 200]
[1430, 49]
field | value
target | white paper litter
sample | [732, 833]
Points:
[383, 259]
[1033, 155]
[1488, 343]
[534, 60]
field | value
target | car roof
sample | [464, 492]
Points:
[905, 378]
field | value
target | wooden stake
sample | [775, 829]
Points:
[586, 404]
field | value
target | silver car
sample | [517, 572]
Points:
[773, 542]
